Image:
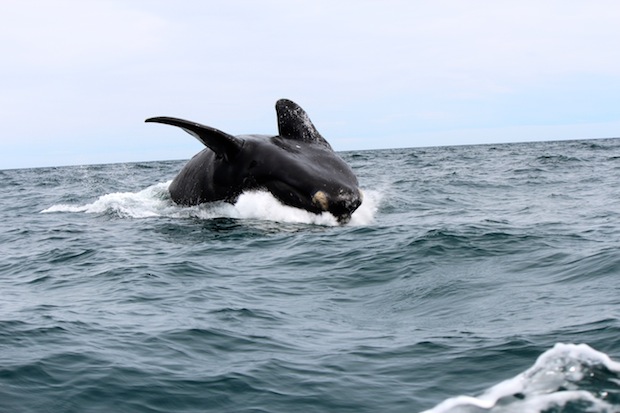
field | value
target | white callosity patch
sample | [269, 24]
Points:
[320, 199]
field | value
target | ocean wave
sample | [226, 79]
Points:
[155, 201]
[477, 262]
[567, 378]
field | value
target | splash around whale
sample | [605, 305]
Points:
[297, 166]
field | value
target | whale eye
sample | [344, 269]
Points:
[252, 164]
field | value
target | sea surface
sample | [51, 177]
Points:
[472, 279]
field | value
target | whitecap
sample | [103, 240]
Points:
[554, 380]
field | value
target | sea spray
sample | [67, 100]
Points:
[155, 201]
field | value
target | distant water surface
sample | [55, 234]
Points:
[472, 279]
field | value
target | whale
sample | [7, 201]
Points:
[297, 166]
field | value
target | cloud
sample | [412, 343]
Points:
[74, 35]
[81, 76]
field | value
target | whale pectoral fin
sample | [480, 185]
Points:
[223, 144]
[294, 123]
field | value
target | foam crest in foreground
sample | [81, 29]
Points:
[565, 378]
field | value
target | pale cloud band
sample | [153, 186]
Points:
[79, 77]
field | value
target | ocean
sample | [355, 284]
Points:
[480, 278]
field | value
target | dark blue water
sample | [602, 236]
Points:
[473, 279]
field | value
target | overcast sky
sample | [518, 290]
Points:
[78, 77]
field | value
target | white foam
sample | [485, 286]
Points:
[155, 201]
[150, 202]
[552, 381]
[365, 214]
[262, 205]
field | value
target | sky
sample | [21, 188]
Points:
[79, 77]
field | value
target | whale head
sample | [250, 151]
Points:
[300, 168]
